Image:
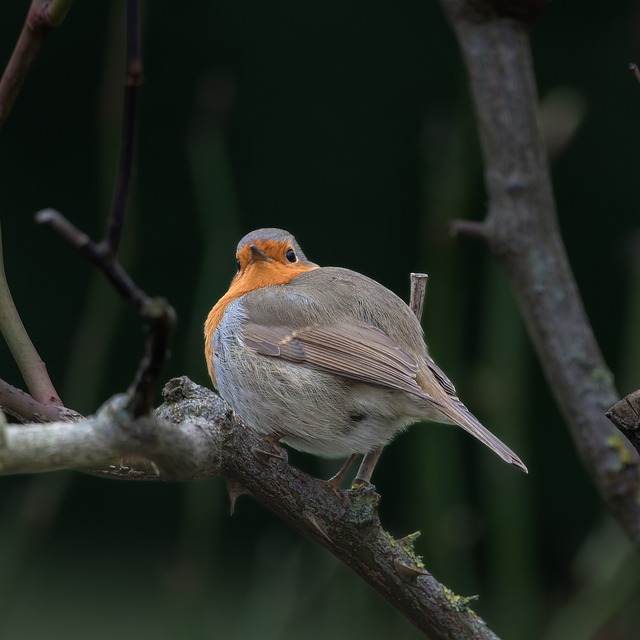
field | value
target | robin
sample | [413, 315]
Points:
[324, 358]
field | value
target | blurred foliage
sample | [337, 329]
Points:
[348, 124]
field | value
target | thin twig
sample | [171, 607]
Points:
[470, 228]
[24, 408]
[32, 368]
[133, 81]
[95, 254]
[157, 313]
[43, 16]
[418, 291]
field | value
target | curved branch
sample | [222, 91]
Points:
[522, 231]
[196, 435]
[32, 368]
[43, 16]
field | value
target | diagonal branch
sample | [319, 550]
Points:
[24, 408]
[522, 231]
[32, 368]
[43, 16]
[157, 314]
[195, 435]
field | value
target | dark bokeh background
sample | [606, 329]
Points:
[348, 124]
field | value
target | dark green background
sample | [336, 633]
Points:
[349, 124]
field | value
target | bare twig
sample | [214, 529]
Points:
[157, 313]
[31, 366]
[133, 81]
[418, 290]
[25, 408]
[471, 228]
[43, 16]
[522, 232]
[195, 435]
[96, 254]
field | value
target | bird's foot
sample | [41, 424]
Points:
[335, 481]
[277, 452]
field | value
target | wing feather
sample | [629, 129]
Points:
[354, 351]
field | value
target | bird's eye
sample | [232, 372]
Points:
[290, 255]
[238, 263]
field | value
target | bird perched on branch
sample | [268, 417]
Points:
[325, 359]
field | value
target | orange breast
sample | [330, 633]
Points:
[256, 276]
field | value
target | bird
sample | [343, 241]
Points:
[325, 359]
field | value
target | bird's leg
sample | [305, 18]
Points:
[367, 466]
[335, 481]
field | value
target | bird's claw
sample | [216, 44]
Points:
[278, 452]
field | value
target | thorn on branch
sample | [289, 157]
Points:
[316, 525]
[410, 571]
[235, 490]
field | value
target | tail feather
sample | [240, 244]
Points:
[461, 416]
[437, 384]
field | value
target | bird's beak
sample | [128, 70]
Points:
[258, 254]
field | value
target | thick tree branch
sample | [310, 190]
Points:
[196, 435]
[522, 232]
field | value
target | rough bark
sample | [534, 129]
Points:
[521, 229]
[196, 435]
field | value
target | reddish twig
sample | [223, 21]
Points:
[24, 408]
[41, 19]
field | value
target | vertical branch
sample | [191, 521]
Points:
[417, 293]
[522, 231]
[133, 81]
